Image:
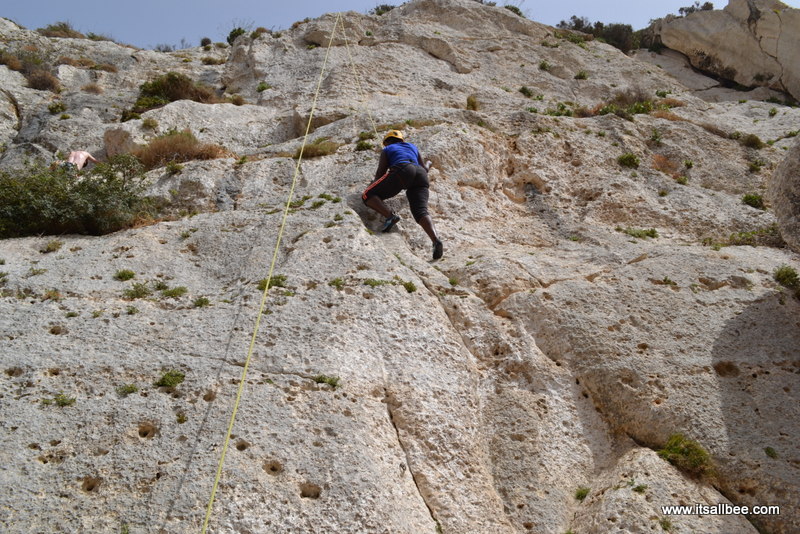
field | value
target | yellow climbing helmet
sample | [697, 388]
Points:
[397, 134]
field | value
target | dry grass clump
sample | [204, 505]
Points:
[43, 80]
[320, 147]
[92, 88]
[665, 165]
[668, 115]
[62, 30]
[10, 60]
[175, 147]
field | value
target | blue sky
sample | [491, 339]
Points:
[146, 23]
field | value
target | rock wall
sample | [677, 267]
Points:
[523, 383]
[784, 190]
[750, 42]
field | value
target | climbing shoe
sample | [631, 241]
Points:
[438, 250]
[390, 222]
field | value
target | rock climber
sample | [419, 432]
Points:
[401, 167]
[77, 160]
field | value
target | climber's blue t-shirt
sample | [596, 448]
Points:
[403, 152]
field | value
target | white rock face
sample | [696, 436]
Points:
[751, 42]
[784, 190]
[553, 348]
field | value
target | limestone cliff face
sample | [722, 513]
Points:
[750, 42]
[553, 348]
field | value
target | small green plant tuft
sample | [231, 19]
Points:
[581, 493]
[56, 107]
[277, 280]
[127, 389]
[51, 246]
[364, 145]
[526, 91]
[332, 381]
[629, 160]
[201, 302]
[263, 86]
[124, 274]
[170, 379]
[754, 200]
[641, 488]
[639, 233]
[63, 400]
[138, 290]
[752, 141]
[787, 277]
[174, 292]
[769, 451]
[338, 283]
[582, 75]
[688, 456]
[410, 286]
[472, 103]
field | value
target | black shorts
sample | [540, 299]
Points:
[409, 176]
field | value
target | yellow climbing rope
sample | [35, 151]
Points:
[266, 289]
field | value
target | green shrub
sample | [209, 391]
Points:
[581, 493]
[364, 145]
[263, 86]
[754, 200]
[63, 400]
[688, 456]
[787, 277]
[338, 283]
[201, 302]
[752, 141]
[514, 9]
[138, 290]
[545, 66]
[170, 379]
[639, 233]
[39, 200]
[582, 75]
[57, 106]
[381, 9]
[629, 160]
[234, 33]
[174, 292]
[205, 41]
[171, 87]
[127, 389]
[526, 91]
[277, 280]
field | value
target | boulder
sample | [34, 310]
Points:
[750, 42]
[784, 192]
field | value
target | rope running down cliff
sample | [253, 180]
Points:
[237, 402]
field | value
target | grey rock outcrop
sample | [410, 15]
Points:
[750, 42]
[784, 192]
[554, 347]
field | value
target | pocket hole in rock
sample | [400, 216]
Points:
[273, 467]
[147, 430]
[91, 484]
[310, 491]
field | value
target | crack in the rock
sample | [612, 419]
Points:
[389, 400]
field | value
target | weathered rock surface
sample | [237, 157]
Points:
[751, 42]
[548, 351]
[785, 193]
